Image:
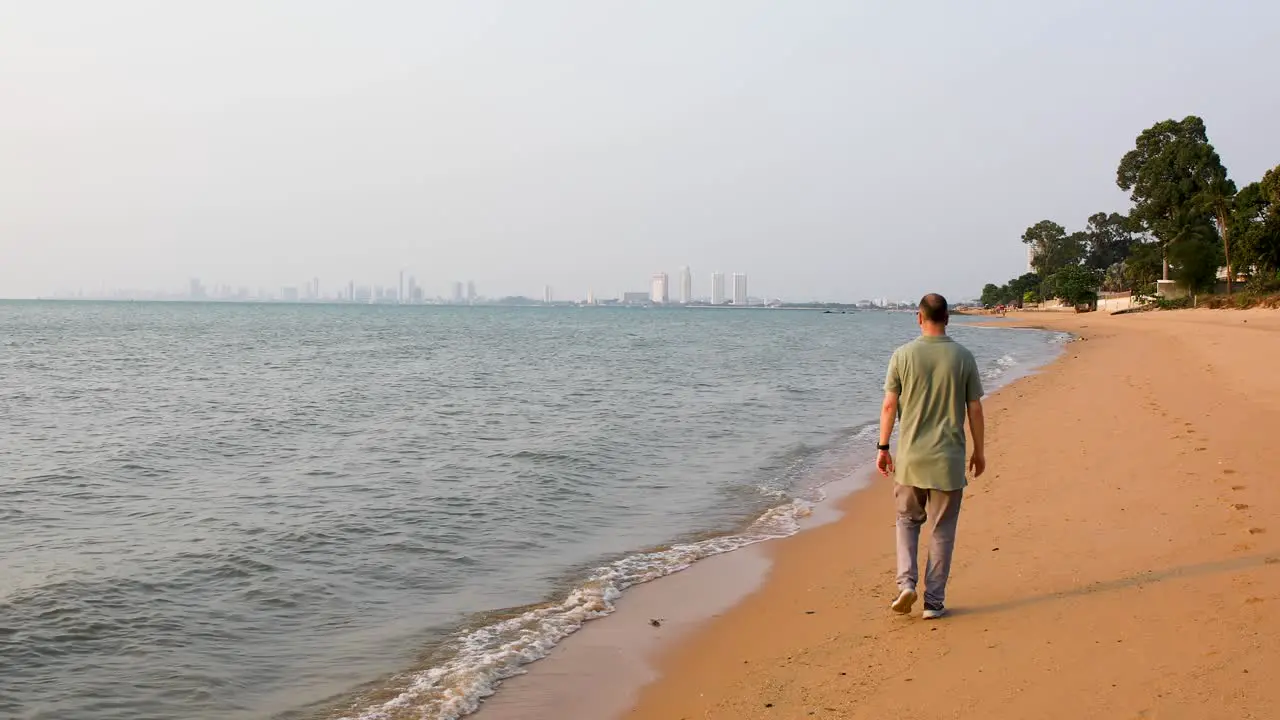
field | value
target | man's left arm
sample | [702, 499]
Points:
[977, 422]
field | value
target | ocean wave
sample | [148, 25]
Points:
[998, 368]
[484, 657]
[480, 659]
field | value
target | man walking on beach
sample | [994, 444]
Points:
[933, 385]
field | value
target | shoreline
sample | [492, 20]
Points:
[600, 671]
[1052, 615]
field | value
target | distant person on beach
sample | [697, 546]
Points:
[933, 385]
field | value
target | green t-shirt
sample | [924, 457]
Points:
[935, 378]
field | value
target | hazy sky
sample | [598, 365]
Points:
[831, 150]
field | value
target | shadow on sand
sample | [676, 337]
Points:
[1156, 576]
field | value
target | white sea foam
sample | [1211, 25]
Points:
[998, 368]
[486, 656]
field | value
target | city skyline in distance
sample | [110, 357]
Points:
[140, 153]
[408, 290]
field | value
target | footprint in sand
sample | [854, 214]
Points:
[1257, 530]
[1228, 471]
[1237, 487]
[1240, 506]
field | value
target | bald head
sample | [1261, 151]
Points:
[933, 309]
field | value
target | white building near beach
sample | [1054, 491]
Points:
[658, 292]
[739, 289]
[717, 288]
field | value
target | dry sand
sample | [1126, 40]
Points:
[1120, 558]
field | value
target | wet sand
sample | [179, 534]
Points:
[1120, 558]
[599, 672]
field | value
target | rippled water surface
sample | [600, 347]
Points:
[255, 511]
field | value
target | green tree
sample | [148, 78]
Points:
[1075, 284]
[1013, 292]
[1113, 278]
[1255, 227]
[991, 294]
[1143, 267]
[1108, 238]
[1197, 257]
[1270, 187]
[1166, 174]
[1021, 285]
[1051, 247]
[1217, 199]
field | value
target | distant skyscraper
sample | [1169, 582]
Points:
[400, 296]
[686, 286]
[546, 294]
[457, 292]
[717, 288]
[739, 289]
[351, 291]
[471, 291]
[658, 292]
[591, 297]
[196, 291]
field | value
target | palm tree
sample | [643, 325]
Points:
[1184, 224]
[1218, 198]
[1187, 227]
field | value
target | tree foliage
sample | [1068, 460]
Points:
[1167, 175]
[1187, 219]
[1051, 247]
[1075, 284]
[1255, 224]
[992, 295]
[1196, 259]
[1142, 268]
[1218, 199]
[1013, 292]
[1113, 278]
[1108, 238]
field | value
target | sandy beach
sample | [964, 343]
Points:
[1120, 558]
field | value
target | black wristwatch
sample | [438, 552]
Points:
[882, 447]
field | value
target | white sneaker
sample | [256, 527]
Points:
[933, 614]
[905, 600]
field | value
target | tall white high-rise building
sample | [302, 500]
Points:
[739, 289]
[686, 286]
[591, 297]
[457, 292]
[546, 294]
[658, 292]
[717, 288]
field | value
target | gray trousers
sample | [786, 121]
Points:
[942, 510]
